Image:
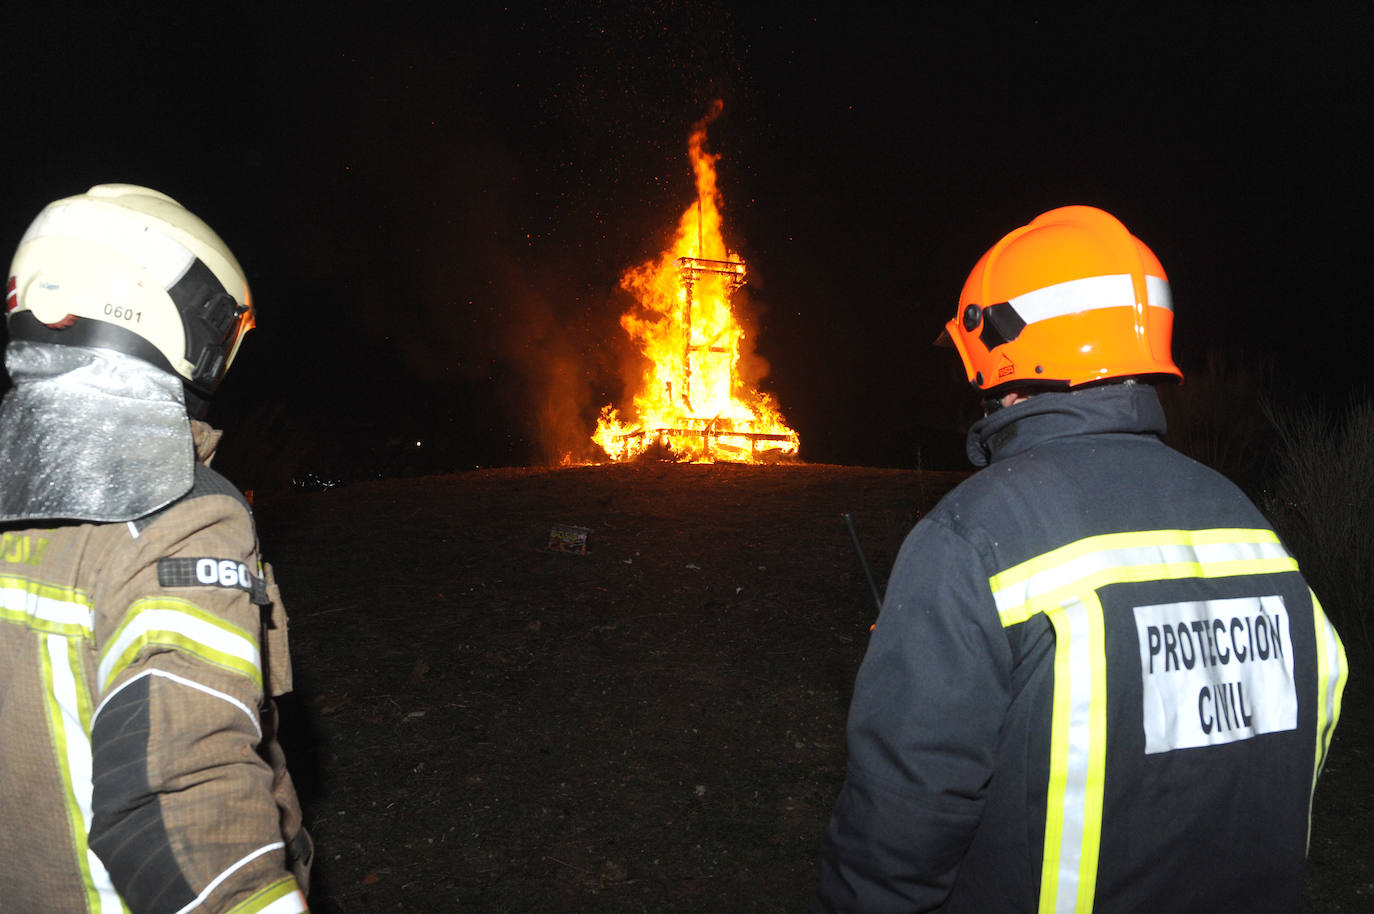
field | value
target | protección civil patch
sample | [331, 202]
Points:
[1215, 671]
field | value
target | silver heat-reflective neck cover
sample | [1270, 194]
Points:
[90, 434]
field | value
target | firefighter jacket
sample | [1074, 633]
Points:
[138, 764]
[1098, 683]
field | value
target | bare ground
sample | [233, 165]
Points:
[658, 725]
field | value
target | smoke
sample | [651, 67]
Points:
[551, 344]
[751, 368]
[512, 305]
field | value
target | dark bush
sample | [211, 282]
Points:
[1320, 497]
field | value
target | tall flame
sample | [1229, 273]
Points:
[691, 400]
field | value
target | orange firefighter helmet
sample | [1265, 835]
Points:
[1070, 299]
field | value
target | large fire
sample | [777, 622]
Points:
[691, 401]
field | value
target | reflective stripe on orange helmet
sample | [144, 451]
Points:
[1069, 299]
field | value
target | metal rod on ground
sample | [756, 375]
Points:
[854, 535]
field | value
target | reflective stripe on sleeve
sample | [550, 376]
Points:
[69, 719]
[1091, 293]
[1063, 584]
[286, 884]
[190, 684]
[282, 897]
[42, 607]
[180, 625]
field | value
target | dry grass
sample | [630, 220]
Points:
[1321, 499]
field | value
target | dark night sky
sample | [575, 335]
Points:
[434, 207]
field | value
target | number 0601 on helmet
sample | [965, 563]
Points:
[1072, 298]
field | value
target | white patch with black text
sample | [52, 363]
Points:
[1215, 671]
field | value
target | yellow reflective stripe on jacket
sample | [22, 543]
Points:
[46, 608]
[1331, 675]
[1063, 584]
[1116, 558]
[181, 625]
[281, 897]
[1078, 754]
[69, 718]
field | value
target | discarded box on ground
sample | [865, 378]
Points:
[568, 538]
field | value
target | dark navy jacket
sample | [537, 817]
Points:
[1098, 683]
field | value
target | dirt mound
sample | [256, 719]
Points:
[484, 723]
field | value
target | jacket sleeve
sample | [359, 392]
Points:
[928, 704]
[183, 811]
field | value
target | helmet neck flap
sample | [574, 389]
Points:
[90, 434]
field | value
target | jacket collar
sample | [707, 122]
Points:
[1114, 408]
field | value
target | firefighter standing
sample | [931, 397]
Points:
[140, 636]
[1098, 681]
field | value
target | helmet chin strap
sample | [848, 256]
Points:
[992, 404]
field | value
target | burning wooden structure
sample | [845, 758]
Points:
[691, 400]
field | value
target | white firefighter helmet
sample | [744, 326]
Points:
[127, 268]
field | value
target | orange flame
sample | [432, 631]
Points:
[691, 400]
